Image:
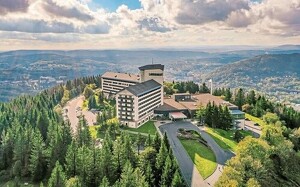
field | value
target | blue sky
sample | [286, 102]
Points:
[112, 5]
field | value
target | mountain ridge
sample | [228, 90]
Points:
[277, 75]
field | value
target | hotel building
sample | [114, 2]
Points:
[152, 71]
[112, 83]
[136, 104]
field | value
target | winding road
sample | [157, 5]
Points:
[187, 167]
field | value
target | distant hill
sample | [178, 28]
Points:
[287, 47]
[276, 73]
[30, 71]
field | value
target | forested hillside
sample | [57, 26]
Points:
[278, 75]
[38, 147]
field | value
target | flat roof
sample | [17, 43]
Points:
[176, 94]
[152, 66]
[144, 87]
[170, 105]
[122, 76]
[177, 115]
[236, 112]
[198, 100]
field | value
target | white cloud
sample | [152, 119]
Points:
[69, 10]
[7, 6]
[157, 23]
[197, 12]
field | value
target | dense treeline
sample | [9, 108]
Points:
[215, 116]
[184, 87]
[37, 145]
[257, 105]
[27, 126]
[267, 161]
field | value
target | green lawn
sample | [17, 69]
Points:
[255, 119]
[148, 127]
[225, 138]
[202, 156]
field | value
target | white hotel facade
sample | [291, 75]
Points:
[112, 83]
[136, 104]
[136, 95]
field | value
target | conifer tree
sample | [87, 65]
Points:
[83, 135]
[107, 163]
[127, 151]
[166, 177]
[140, 178]
[37, 160]
[127, 176]
[148, 141]
[149, 174]
[93, 167]
[228, 95]
[177, 180]
[240, 98]
[43, 123]
[138, 142]
[156, 142]
[71, 159]
[117, 157]
[92, 102]
[160, 160]
[6, 149]
[166, 141]
[58, 177]
[74, 182]
[251, 98]
[104, 182]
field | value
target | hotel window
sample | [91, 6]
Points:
[155, 74]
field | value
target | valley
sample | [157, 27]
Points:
[29, 72]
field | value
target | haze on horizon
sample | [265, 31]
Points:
[127, 24]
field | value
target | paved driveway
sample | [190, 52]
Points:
[72, 114]
[187, 167]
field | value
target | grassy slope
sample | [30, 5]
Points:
[146, 128]
[225, 138]
[255, 119]
[202, 156]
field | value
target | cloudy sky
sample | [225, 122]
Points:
[123, 24]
